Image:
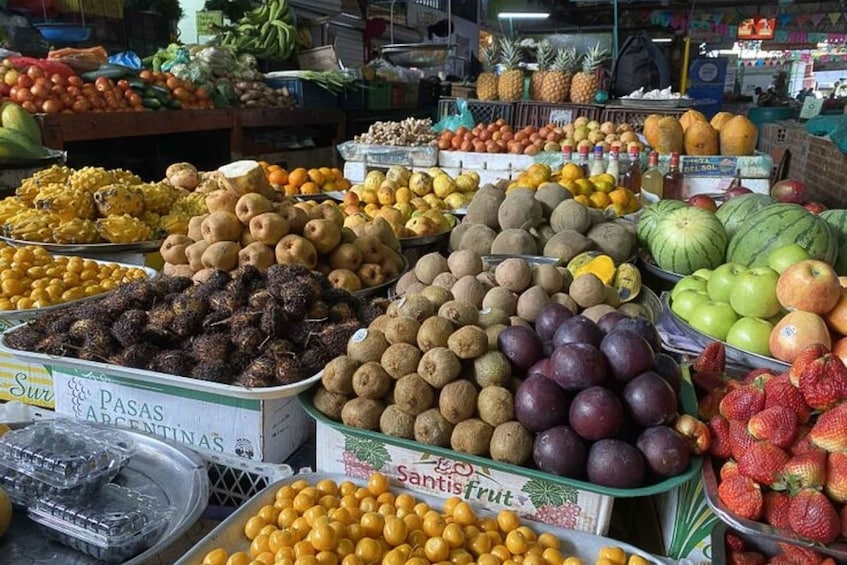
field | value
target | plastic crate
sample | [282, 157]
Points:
[483, 112]
[636, 116]
[307, 94]
[379, 95]
[354, 97]
[538, 114]
[234, 480]
[429, 91]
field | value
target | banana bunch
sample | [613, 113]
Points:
[265, 32]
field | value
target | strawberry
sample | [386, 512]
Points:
[709, 405]
[777, 424]
[735, 542]
[711, 360]
[758, 376]
[805, 357]
[762, 462]
[746, 558]
[830, 431]
[823, 382]
[742, 496]
[707, 381]
[775, 509]
[802, 443]
[844, 521]
[807, 470]
[729, 469]
[836, 476]
[742, 402]
[812, 516]
[780, 392]
[799, 555]
[719, 427]
[740, 439]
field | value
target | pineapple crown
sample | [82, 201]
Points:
[593, 58]
[510, 54]
[489, 54]
[566, 60]
[544, 55]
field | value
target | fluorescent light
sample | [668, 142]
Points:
[662, 40]
[523, 15]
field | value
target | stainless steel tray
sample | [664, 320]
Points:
[173, 474]
[95, 367]
[494, 260]
[757, 529]
[734, 355]
[652, 103]
[90, 248]
[651, 267]
[230, 533]
[384, 287]
[420, 241]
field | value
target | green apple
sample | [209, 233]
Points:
[722, 279]
[786, 255]
[713, 319]
[690, 282]
[686, 301]
[703, 273]
[753, 294]
[751, 334]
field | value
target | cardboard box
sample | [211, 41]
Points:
[686, 522]
[419, 471]
[715, 174]
[261, 430]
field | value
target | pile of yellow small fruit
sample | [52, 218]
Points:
[595, 192]
[332, 524]
[32, 278]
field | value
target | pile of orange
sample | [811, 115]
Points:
[305, 181]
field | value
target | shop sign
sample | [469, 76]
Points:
[207, 21]
[717, 166]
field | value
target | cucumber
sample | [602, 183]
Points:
[136, 83]
[110, 72]
[159, 89]
[174, 104]
[152, 103]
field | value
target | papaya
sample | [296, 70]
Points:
[690, 117]
[651, 130]
[700, 139]
[719, 119]
[669, 136]
[16, 145]
[738, 137]
[16, 118]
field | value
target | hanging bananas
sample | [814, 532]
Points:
[266, 32]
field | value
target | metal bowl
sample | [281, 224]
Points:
[420, 55]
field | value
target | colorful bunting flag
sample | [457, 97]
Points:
[834, 17]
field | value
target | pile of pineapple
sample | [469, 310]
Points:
[557, 79]
[94, 205]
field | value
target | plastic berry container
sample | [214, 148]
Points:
[69, 458]
[113, 525]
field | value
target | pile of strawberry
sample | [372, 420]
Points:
[783, 439]
[738, 553]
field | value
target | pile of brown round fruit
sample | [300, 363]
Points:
[514, 290]
[346, 524]
[543, 221]
[32, 278]
[248, 328]
[250, 229]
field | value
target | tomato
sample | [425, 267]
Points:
[34, 72]
[67, 100]
[146, 76]
[135, 99]
[56, 78]
[40, 91]
[24, 95]
[29, 107]
[74, 91]
[123, 84]
[180, 93]
[24, 81]
[75, 81]
[52, 106]
[81, 104]
[172, 83]
[201, 93]
[103, 84]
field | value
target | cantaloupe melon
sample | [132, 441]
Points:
[719, 119]
[669, 136]
[690, 117]
[651, 129]
[738, 137]
[700, 139]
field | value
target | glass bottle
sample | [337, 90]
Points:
[583, 160]
[613, 168]
[673, 180]
[632, 176]
[651, 180]
[567, 154]
[597, 165]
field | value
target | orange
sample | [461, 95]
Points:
[298, 176]
[327, 173]
[337, 174]
[278, 176]
[619, 196]
[316, 176]
[310, 188]
[599, 199]
[291, 190]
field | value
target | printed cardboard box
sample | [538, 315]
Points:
[686, 522]
[22, 381]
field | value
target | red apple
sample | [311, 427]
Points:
[814, 207]
[839, 349]
[809, 285]
[736, 191]
[789, 191]
[796, 331]
[836, 318]
[703, 201]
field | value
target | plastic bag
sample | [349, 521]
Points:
[455, 121]
[839, 136]
[824, 125]
[17, 33]
[127, 59]
[182, 56]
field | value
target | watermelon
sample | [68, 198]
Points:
[650, 215]
[687, 239]
[838, 220]
[779, 225]
[732, 213]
